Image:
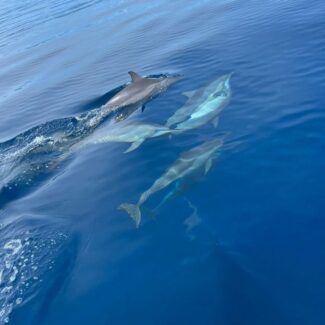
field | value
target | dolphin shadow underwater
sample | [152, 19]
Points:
[31, 157]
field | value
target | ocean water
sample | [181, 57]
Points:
[244, 245]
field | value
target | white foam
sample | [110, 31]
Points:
[14, 245]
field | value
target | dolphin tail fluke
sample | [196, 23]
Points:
[133, 210]
[134, 145]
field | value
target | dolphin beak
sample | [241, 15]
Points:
[230, 75]
[227, 79]
[175, 78]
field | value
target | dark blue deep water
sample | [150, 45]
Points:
[244, 245]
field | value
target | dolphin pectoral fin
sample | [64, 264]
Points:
[189, 94]
[133, 210]
[143, 108]
[134, 76]
[208, 166]
[215, 122]
[134, 145]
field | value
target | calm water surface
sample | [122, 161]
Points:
[246, 245]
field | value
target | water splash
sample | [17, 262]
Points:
[35, 154]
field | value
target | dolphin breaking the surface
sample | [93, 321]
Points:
[203, 105]
[189, 162]
[137, 94]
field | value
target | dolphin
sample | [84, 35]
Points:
[135, 133]
[203, 105]
[196, 159]
[137, 93]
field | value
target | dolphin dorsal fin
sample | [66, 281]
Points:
[189, 93]
[134, 76]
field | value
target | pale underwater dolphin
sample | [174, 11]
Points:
[135, 133]
[203, 105]
[189, 162]
[138, 93]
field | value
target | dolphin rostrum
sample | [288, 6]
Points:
[138, 93]
[189, 162]
[135, 133]
[203, 105]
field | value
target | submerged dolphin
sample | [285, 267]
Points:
[196, 159]
[203, 105]
[135, 133]
[138, 93]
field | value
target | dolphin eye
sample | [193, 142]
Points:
[219, 94]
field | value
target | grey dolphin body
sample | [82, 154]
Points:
[203, 105]
[197, 158]
[135, 133]
[137, 93]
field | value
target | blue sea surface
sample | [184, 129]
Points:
[244, 245]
